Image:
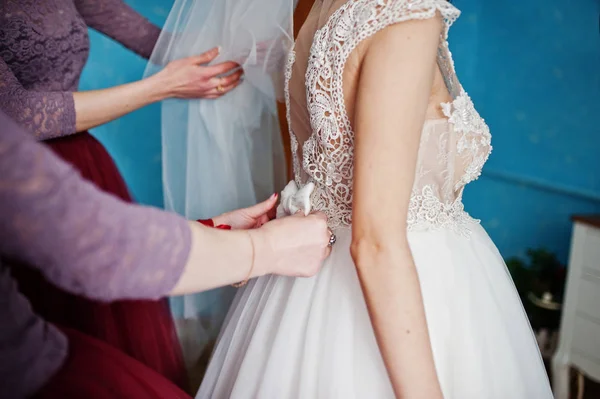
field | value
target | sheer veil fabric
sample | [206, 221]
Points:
[219, 155]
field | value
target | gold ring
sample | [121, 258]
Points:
[220, 89]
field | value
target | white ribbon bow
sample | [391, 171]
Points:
[294, 199]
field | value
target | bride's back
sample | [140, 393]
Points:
[319, 15]
[323, 74]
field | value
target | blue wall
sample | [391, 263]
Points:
[134, 140]
[533, 70]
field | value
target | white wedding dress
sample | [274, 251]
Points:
[295, 338]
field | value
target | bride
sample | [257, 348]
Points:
[415, 300]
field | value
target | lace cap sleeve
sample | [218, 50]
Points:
[45, 114]
[372, 16]
[120, 22]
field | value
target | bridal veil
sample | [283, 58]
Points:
[220, 155]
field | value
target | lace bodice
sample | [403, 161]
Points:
[452, 151]
[43, 48]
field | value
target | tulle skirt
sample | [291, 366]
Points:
[293, 338]
[142, 329]
[96, 370]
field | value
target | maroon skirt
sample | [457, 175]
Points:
[142, 329]
[95, 370]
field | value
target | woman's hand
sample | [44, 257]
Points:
[184, 78]
[191, 78]
[248, 218]
[292, 246]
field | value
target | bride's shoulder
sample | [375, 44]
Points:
[357, 21]
[414, 5]
[370, 14]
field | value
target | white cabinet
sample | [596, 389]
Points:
[579, 342]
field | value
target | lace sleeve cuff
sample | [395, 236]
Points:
[46, 115]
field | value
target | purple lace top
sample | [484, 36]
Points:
[43, 48]
[81, 239]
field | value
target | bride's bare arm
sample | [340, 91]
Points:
[393, 92]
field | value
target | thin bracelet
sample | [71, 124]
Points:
[245, 281]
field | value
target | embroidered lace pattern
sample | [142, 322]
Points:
[43, 48]
[452, 150]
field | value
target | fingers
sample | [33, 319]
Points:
[319, 215]
[325, 232]
[272, 214]
[327, 252]
[223, 85]
[262, 208]
[222, 68]
[298, 214]
[220, 91]
[316, 215]
[226, 81]
[262, 220]
[205, 57]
